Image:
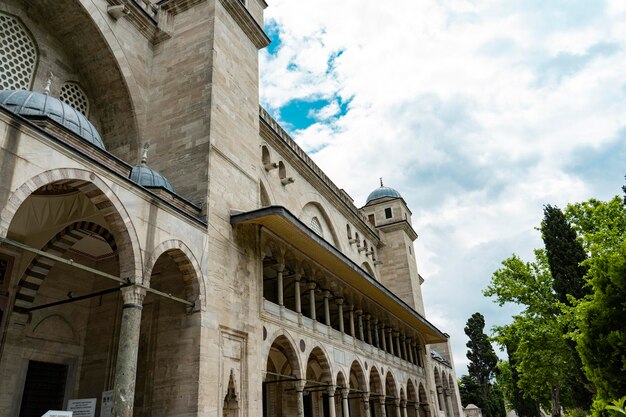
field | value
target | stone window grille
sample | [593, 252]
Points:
[72, 94]
[316, 226]
[18, 55]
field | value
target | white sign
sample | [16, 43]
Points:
[84, 407]
[106, 406]
[53, 413]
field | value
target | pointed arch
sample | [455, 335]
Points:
[283, 343]
[104, 199]
[40, 266]
[188, 266]
[320, 358]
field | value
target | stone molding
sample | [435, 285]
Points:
[247, 23]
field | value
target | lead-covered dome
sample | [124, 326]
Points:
[30, 103]
[382, 192]
[150, 178]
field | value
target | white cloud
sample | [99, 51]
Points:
[473, 110]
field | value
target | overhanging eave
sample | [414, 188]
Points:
[285, 225]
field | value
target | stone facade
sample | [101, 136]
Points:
[255, 288]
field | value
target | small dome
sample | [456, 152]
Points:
[30, 103]
[148, 177]
[381, 192]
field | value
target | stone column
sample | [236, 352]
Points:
[331, 401]
[359, 314]
[382, 332]
[410, 350]
[442, 400]
[366, 404]
[389, 331]
[417, 409]
[448, 395]
[126, 365]
[279, 276]
[396, 336]
[405, 354]
[344, 401]
[418, 356]
[369, 328]
[296, 289]
[339, 302]
[300, 397]
[403, 409]
[327, 308]
[351, 318]
[376, 338]
[381, 404]
[312, 286]
[396, 406]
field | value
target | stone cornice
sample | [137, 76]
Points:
[245, 20]
[145, 21]
[271, 130]
[400, 225]
[178, 6]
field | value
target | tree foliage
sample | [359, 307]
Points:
[477, 387]
[542, 356]
[565, 255]
[599, 319]
[483, 359]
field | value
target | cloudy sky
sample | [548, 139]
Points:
[478, 111]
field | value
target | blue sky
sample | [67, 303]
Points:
[479, 112]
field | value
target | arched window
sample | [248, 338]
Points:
[282, 172]
[72, 94]
[18, 55]
[316, 226]
[265, 155]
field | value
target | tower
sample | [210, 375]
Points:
[387, 211]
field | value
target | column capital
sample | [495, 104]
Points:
[396, 402]
[331, 390]
[375, 320]
[311, 285]
[396, 333]
[388, 330]
[297, 275]
[358, 312]
[327, 293]
[339, 301]
[133, 296]
[345, 392]
[366, 398]
[299, 385]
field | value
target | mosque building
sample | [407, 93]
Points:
[167, 249]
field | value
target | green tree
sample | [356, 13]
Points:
[598, 319]
[483, 359]
[566, 256]
[507, 379]
[542, 356]
[477, 388]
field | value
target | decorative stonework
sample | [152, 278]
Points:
[18, 55]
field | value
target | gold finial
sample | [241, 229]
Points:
[46, 88]
[381, 181]
[144, 155]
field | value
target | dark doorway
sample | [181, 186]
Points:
[44, 388]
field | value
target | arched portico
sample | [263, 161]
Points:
[73, 215]
[284, 381]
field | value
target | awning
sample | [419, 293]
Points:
[285, 225]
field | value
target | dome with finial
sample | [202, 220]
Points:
[382, 192]
[30, 103]
[147, 177]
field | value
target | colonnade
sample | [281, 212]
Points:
[348, 318]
